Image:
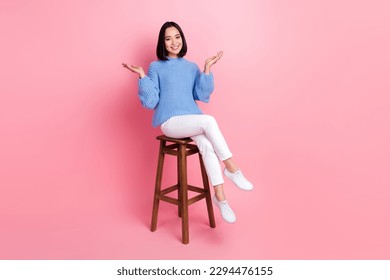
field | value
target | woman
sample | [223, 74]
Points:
[171, 88]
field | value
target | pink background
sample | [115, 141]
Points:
[302, 96]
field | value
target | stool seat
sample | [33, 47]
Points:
[182, 141]
[181, 148]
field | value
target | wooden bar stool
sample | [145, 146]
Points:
[181, 148]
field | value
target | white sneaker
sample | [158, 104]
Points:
[239, 180]
[226, 212]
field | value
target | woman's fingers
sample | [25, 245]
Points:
[132, 68]
[215, 58]
[218, 56]
[136, 67]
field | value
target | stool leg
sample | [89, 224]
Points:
[182, 166]
[156, 200]
[179, 190]
[206, 186]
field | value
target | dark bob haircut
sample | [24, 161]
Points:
[161, 51]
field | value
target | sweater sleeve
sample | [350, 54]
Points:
[148, 89]
[204, 86]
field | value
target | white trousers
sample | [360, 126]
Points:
[204, 130]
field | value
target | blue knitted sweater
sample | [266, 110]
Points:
[171, 88]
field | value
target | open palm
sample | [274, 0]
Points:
[212, 60]
[135, 69]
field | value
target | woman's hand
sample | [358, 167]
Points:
[211, 61]
[135, 69]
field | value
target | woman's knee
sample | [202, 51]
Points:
[210, 119]
[211, 122]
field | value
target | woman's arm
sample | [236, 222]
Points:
[204, 84]
[148, 86]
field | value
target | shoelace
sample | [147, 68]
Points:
[239, 177]
[225, 208]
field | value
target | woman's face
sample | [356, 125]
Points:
[173, 41]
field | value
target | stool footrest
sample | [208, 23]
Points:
[168, 199]
[170, 189]
[176, 187]
[202, 194]
[196, 198]
[176, 201]
[196, 189]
